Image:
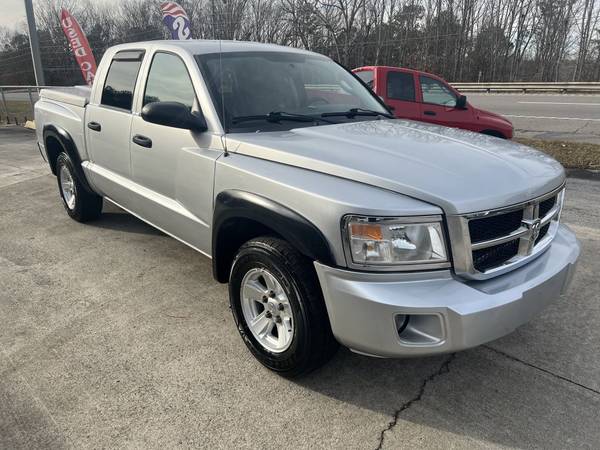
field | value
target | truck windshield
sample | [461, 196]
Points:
[270, 91]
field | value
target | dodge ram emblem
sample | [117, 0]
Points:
[535, 229]
[533, 226]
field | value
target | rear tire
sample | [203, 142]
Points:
[278, 307]
[80, 204]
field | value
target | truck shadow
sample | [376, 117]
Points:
[114, 218]
[473, 398]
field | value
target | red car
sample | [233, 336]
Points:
[417, 95]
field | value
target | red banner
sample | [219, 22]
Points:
[79, 46]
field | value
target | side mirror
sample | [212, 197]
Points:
[390, 107]
[461, 102]
[173, 114]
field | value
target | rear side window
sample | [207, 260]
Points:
[169, 81]
[120, 81]
[366, 76]
[401, 86]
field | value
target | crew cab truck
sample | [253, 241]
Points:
[332, 221]
[417, 95]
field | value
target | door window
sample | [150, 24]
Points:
[436, 92]
[366, 76]
[169, 81]
[120, 81]
[401, 86]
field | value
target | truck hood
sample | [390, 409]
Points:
[457, 170]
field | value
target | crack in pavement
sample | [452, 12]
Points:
[444, 368]
[541, 369]
[585, 124]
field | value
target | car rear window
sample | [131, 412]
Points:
[366, 76]
[401, 86]
[120, 81]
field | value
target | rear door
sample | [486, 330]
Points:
[173, 171]
[439, 104]
[108, 123]
[400, 93]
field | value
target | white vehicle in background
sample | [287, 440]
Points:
[330, 220]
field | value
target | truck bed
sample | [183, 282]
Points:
[76, 95]
[64, 107]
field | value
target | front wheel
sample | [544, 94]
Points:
[278, 307]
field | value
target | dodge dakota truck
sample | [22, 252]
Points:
[332, 221]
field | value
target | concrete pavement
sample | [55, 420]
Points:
[115, 335]
[547, 116]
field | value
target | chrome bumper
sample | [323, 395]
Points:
[445, 314]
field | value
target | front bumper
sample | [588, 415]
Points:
[445, 313]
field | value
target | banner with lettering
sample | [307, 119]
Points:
[176, 20]
[79, 46]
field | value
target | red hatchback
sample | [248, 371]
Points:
[422, 96]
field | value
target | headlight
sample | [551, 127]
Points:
[402, 241]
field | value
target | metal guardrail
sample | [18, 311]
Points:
[17, 102]
[13, 97]
[562, 88]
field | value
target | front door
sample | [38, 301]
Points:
[439, 104]
[173, 168]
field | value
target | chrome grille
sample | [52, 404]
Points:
[488, 243]
[487, 228]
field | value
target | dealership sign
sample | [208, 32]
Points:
[176, 20]
[79, 46]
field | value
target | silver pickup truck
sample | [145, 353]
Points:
[331, 221]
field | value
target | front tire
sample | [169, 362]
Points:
[278, 307]
[80, 204]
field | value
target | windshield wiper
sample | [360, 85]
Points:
[278, 116]
[353, 112]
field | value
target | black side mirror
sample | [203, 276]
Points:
[174, 114]
[390, 107]
[461, 102]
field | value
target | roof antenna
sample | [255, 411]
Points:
[223, 118]
[218, 38]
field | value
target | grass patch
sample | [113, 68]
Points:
[16, 108]
[572, 155]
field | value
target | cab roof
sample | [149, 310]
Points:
[205, 46]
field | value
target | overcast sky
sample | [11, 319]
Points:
[12, 13]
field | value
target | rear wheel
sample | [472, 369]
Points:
[80, 204]
[278, 307]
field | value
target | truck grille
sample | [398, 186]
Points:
[488, 243]
[491, 227]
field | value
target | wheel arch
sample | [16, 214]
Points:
[240, 216]
[56, 140]
[494, 133]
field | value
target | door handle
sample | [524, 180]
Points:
[142, 141]
[94, 126]
[429, 113]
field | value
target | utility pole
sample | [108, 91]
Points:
[34, 43]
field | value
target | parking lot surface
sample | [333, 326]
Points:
[114, 335]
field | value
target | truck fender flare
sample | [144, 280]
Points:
[68, 144]
[235, 209]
